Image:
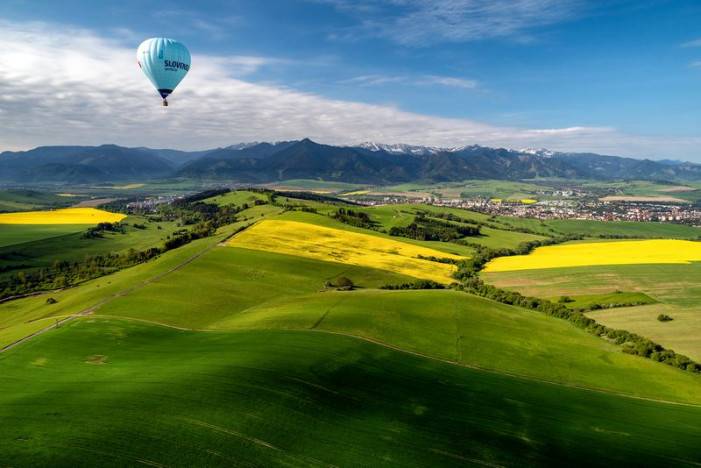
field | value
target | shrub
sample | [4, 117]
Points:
[51, 300]
[664, 318]
[341, 283]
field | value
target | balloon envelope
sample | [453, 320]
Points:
[165, 62]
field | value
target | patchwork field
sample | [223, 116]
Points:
[350, 248]
[62, 216]
[675, 287]
[225, 288]
[30, 226]
[240, 351]
[663, 251]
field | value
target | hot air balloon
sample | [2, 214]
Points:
[165, 62]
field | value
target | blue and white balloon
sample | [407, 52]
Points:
[165, 62]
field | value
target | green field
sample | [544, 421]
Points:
[33, 246]
[11, 234]
[607, 300]
[125, 394]
[644, 188]
[389, 216]
[676, 288]
[323, 186]
[229, 288]
[466, 189]
[237, 198]
[236, 280]
[27, 200]
[211, 355]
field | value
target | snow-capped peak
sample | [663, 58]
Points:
[399, 148]
[240, 146]
[543, 152]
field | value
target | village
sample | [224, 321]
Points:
[562, 208]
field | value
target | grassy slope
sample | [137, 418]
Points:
[25, 200]
[231, 280]
[469, 330]
[11, 234]
[402, 215]
[225, 282]
[677, 288]
[316, 185]
[238, 288]
[22, 317]
[392, 405]
[237, 198]
[595, 228]
[615, 299]
[165, 397]
[74, 247]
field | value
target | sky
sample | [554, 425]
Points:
[616, 77]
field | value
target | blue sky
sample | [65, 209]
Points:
[619, 76]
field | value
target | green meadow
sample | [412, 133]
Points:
[25, 247]
[27, 200]
[117, 393]
[675, 288]
[211, 355]
[11, 234]
[237, 198]
[315, 185]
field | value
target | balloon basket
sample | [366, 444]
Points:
[165, 103]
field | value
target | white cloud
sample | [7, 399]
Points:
[694, 43]
[69, 86]
[420, 22]
[374, 80]
[422, 80]
[451, 81]
[696, 64]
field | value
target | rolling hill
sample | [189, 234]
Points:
[238, 349]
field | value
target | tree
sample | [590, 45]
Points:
[344, 283]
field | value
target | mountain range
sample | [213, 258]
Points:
[304, 159]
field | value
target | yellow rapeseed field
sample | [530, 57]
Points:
[601, 253]
[128, 186]
[337, 245]
[63, 216]
[358, 192]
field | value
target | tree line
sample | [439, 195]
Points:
[431, 229]
[354, 218]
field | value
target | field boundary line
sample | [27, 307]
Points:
[392, 347]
